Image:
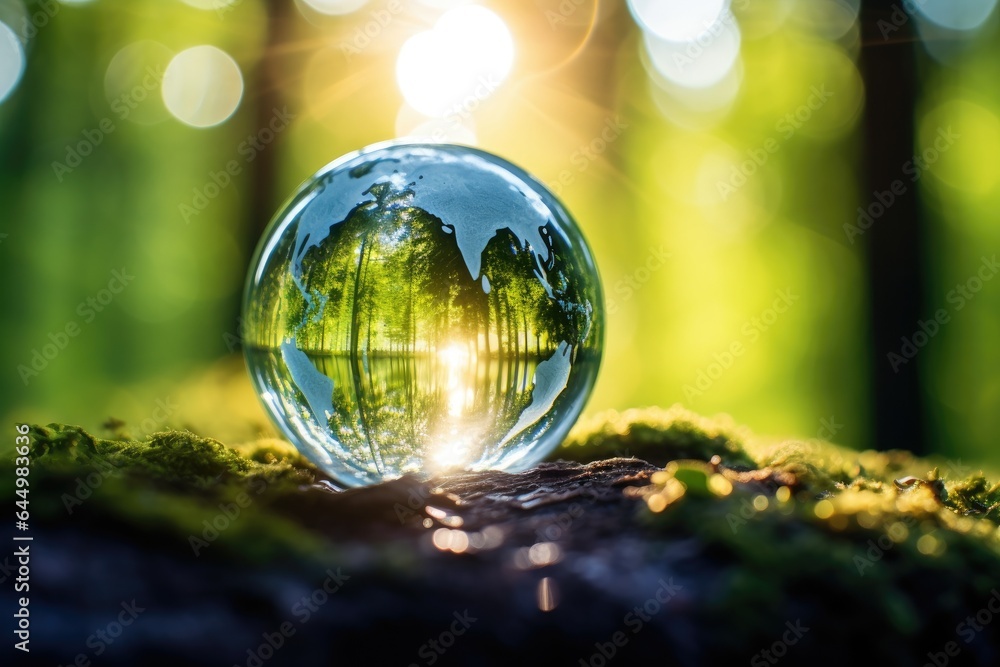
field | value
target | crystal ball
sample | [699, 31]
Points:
[422, 309]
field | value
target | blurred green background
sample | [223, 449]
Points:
[715, 155]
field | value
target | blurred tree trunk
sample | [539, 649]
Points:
[894, 243]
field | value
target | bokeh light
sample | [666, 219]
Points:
[761, 18]
[336, 7]
[445, 4]
[695, 108]
[12, 61]
[202, 86]
[202, 4]
[700, 62]
[956, 14]
[830, 19]
[958, 143]
[677, 20]
[133, 77]
[456, 65]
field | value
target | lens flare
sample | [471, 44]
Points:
[456, 65]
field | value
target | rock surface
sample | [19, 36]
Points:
[655, 536]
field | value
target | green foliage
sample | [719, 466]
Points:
[975, 496]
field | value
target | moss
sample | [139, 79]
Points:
[900, 554]
[655, 435]
[175, 457]
[175, 481]
[172, 483]
[975, 496]
[815, 516]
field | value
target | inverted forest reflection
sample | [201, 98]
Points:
[446, 399]
[417, 343]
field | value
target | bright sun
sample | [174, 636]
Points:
[457, 64]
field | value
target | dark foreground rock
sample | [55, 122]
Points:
[177, 550]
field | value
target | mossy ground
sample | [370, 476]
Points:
[858, 544]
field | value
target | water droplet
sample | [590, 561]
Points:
[906, 482]
[423, 308]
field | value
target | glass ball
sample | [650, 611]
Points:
[422, 309]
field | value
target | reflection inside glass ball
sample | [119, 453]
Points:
[422, 308]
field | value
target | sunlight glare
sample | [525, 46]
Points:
[456, 65]
[453, 355]
[444, 4]
[415, 126]
[451, 452]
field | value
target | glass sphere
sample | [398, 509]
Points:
[421, 309]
